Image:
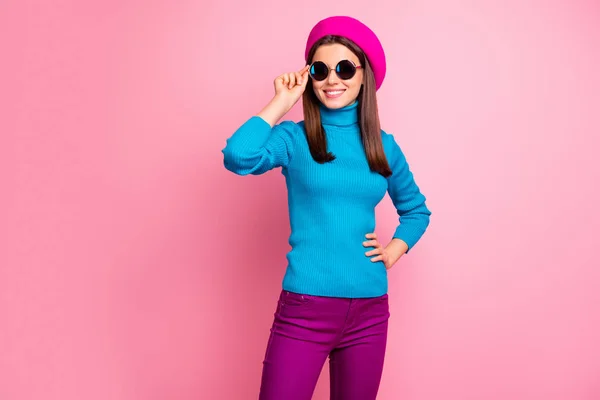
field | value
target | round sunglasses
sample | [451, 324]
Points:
[345, 70]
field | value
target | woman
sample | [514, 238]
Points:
[338, 165]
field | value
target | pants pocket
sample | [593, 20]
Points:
[292, 299]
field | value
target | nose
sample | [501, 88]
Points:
[332, 77]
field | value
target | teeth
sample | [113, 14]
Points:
[334, 91]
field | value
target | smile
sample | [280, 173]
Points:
[332, 94]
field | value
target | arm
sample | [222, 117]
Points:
[259, 144]
[257, 147]
[408, 200]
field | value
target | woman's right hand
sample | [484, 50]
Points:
[290, 86]
[288, 90]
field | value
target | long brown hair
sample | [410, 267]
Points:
[368, 116]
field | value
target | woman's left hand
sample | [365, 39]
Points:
[380, 252]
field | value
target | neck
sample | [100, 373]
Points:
[345, 116]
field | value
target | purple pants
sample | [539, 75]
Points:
[308, 329]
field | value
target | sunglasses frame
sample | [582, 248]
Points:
[356, 67]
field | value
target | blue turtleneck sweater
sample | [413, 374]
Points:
[331, 205]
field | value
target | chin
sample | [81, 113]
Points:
[334, 104]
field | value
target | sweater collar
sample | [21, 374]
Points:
[345, 116]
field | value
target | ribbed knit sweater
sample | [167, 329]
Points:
[331, 205]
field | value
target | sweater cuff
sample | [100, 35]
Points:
[408, 235]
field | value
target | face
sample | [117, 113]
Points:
[334, 92]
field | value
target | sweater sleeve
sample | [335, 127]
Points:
[256, 148]
[406, 196]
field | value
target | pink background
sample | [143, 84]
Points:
[134, 266]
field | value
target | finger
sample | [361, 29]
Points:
[304, 78]
[304, 71]
[286, 79]
[292, 80]
[371, 235]
[298, 78]
[378, 258]
[279, 82]
[371, 243]
[373, 252]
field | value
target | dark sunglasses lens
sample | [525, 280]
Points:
[345, 69]
[319, 71]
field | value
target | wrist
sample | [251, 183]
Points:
[274, 111]
[396, 249]
[283, 103]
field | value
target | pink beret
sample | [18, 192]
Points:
[356, 31]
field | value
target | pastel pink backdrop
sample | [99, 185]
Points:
[134, 266]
